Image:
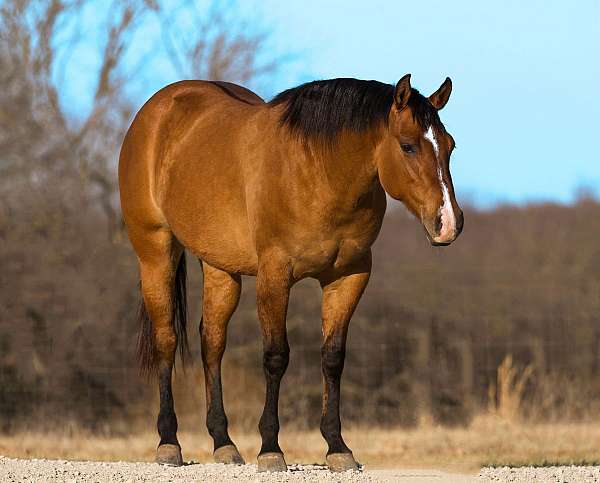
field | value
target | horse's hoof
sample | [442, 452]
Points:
[341, 462]
[169, 454]
[271, 462]
[228, 455]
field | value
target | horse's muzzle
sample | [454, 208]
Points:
[442, 235]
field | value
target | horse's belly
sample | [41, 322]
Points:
[206, 212]
[221, 245]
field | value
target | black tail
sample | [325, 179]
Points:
[146, 347]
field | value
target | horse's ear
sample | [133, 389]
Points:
[402, 92]
[440, 97]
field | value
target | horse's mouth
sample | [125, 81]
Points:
[436, 243]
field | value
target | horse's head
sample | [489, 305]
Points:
[413, 161]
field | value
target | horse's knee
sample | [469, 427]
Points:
[212, 345]
[275, 361]
[332, 359]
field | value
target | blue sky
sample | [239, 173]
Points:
[525, 110]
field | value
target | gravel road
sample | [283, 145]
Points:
[37, 470]
[550, 474]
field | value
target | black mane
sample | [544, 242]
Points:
[322, 109]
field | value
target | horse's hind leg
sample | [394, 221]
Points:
[340, 297]
[221, 296]
[160, 257]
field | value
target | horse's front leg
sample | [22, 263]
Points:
[273, 284]
[340, 297]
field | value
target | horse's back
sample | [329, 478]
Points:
[180, 169]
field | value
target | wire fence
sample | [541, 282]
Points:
[504, 320]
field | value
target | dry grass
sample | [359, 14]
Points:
[506, 396]
[488, 441]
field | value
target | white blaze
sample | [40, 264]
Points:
[446, 210]
[430, 136]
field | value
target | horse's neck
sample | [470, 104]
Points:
[348, 165]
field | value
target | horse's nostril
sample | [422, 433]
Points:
[438, 224]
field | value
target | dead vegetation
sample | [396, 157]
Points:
[488, 441]
[68, 279]
[506, 395]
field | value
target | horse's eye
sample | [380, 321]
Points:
[408, 148]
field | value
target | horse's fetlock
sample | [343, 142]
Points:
[268, 426]
[330, 425]
[167, 423]
[216, 422]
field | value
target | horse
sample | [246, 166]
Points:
[282, 190]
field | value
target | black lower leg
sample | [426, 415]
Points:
[275, 362]
[167, 421]
[216, 420]
[332, 362]
[213, 348]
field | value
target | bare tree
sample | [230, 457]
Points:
[432, 329]
[221, 46]
[38, 138]
[67, 281]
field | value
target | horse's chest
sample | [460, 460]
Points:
[348, 251]
[339, 250]
[334, 236]
[328, 255]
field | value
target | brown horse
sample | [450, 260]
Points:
[283, 190]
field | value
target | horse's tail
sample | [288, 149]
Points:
[146, 346]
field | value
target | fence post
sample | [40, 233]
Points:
[463, 348]
[538, 355]
[422, 362]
